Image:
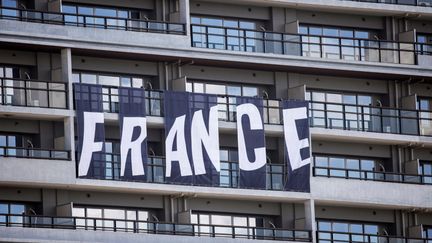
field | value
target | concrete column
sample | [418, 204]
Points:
[69, 136]
[49, 202]
[310, 223]
[66, 75]
[43, 66]
[287, 216]
[184, 10]
[278, 19]
[281, 85]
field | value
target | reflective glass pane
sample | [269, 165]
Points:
[88, 78]
[371, 229]
[340, 227]
[215, 89]
[250, 91]
[324, 226]
[17, 209]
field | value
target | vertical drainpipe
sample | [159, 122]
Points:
[184, 204]
[163, 10]
[172, 208]
[166, 75]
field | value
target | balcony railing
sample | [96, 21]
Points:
[92, 21]
[371, 175]
[147, 227]
[34, 153]
[247, 40]
[339, 237]
[153, 101]
[227, 105]
[33, 93]
[321, 114]
[370, 119]
[107, 167]
[421, 3]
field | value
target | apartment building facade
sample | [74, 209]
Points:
[364, 67]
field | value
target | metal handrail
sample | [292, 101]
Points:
[152, 227]
[383, 176]
[27, 86]
[418, 3]
[113, 162]
[293, 44]
[61, 18]
[397, 118]
[330, 236]
[370, 118]
[34, 153]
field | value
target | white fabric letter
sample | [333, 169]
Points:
[180, 155]
[292, 141]
[255, 124]
[129, 123]
[89, 145]
[210, 140]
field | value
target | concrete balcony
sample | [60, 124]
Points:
[20, 228]
[178, 47]
[346, 192]
[61, 175]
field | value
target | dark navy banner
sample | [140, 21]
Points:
[133, 127]
[251, 142]
[91, 131]
[192, 138]
[297, 145]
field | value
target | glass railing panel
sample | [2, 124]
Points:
[33, 93]
[425, 123]
[122, 225]
[92, 21]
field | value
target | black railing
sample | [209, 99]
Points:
[33, 93]
[107, 167]
[247, 40]
[421, 3]
[153, 100]
[34, 153]
[331, 236]
[371, 175]
[272, 112]
[135, 226]
[92, 21]
[321, 114]
[370, 119]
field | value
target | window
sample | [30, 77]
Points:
[335, 166]
[221, 89]
[101, 16]
[9, 95]
[338, 110]
[112, 160]
[425, 43]
[229, 168]
[9, 144]
[12, 208]
[110, 88]
[227, 104]
[426, 171]
[425, 107]
[223, 223]
[427, 232]
[104, 218]
[338, 231]
[240, 34]
[331, 45]
[9, 4]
